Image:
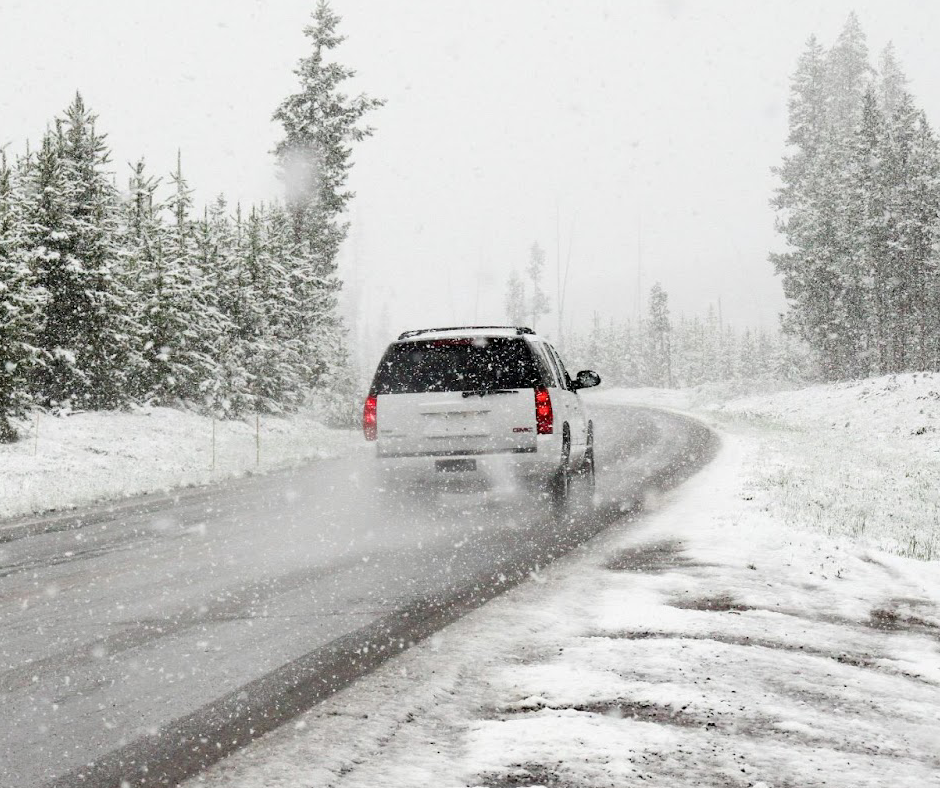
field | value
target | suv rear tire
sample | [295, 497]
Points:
[587, 469]
[560, 484]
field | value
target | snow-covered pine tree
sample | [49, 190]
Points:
[891, 80]
[927, 188]
[899, 171]
[627, 368]
[688, 348]
[146, 277]
[320, 123]
[217, 244]
[595, 345]
[837, 307]
[914, 168]
[70, 236]
[711, 346]
[170, 302]
[280, 378]
[729, 357]
[764, 353]
[270, 318]
[824, 111]
[254, 328]
[868, 204]
[807, 108]
[659, 339]
[535, 268]
[807, 116]
[21, 303]
[748, 361]
[44, 214]
[847, 74]
[515, 302]
[193, 365]
[111, 335]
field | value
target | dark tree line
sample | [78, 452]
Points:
[859, 207]
[111, 297]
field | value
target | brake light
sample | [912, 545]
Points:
[544, 418]
[370, 419]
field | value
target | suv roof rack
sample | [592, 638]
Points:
[416, 332]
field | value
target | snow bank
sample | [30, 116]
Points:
[88, 457]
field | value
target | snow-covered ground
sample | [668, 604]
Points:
[726, 638]
[89, 457]
[859, 460]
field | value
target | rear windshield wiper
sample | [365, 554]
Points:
[484, 392]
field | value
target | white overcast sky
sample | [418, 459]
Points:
[657, 119]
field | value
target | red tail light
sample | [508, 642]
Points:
[370, 419]
[544, 418]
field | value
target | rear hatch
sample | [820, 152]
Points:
[462, 395]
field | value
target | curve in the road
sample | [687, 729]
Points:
[638, 451]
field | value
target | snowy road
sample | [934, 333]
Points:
[163, 636]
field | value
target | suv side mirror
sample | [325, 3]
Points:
[586, 379]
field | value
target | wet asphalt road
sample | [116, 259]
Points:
[140, 644]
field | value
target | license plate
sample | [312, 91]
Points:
[455, 466]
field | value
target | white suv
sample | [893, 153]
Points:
[479, 406]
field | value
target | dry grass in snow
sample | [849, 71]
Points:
[860, 459]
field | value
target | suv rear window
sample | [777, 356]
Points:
[460, 364]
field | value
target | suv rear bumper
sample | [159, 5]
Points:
[479, 469]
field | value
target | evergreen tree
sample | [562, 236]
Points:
[228, 394]
[105, 301]
[807, 113]
[515, 300]
[70, 239]
[868, 202]
[659, 329]
[892, 83]
[320, 124]
[820, 273]
[278, 364]
[916, 167]
[711, 346]
[193, 297]
[847, 73]
[690, 353]
[538, 301]
[858, 205]
[747, 356]
[21, 303]
[177, 319]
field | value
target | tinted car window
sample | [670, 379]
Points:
[460, 364]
